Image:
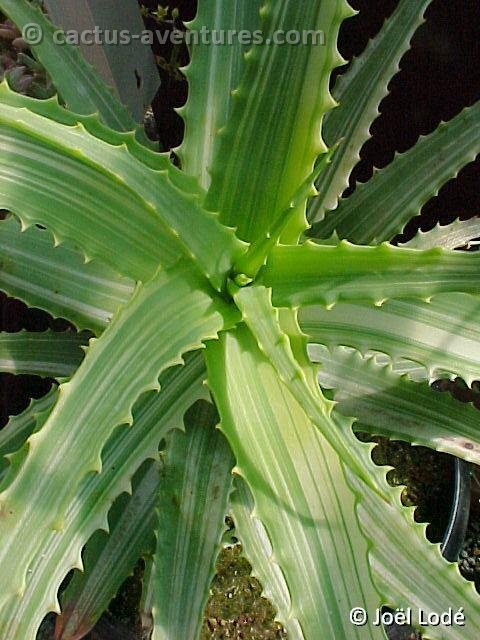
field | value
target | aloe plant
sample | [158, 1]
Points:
[206, 274]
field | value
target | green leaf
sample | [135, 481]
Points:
[20, 427]
[193, 497]
[109, 558]
[385, 403]
[457, 234]
[443, 335]
[88, 93]
[57, 279]
[249, 264]
[125, 362]
[101, 197]
[51, 354]
[317, 274]
[52, 110]
[277, 113]
[300, 491]
[214, 71]
[154, 415]
[295, 371]
[359, 92]
[379, 209]
[409, 571]
[258, 549]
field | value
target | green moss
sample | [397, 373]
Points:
[236, 608]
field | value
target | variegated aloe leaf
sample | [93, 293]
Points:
[258, 549]
[213, 73]
[299, 488]
[317, 274]
[155, 414]
[125, 362]
[385, 403]
[193, 498]
[51, 354]
[380, 208]
[88, 93]
[277, 113]
[294, 371]
[104, 199]
[458, 233]
[57, 279]
[407, 569]
[442, 335]
[52, 109]
[109, 558]
[359, 92]
[20, 427]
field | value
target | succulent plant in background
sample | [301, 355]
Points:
[206, 273]
[23, 73]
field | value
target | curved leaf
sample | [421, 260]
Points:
[379, 209]
[442, 335]
[88, 94]
[57, 279]
[104, 199]
[359, 92]
[385, 403]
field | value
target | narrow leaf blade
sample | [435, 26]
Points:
[88, 94]
[385, 403]
[380, 208]
[195, 486]
[442, 335]
[316, 274]
[109, 558]
[359, 92]
[57, 279]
